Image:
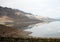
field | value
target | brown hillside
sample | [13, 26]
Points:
[12, 32]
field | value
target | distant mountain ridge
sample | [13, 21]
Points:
[14, 13]
[17, 18]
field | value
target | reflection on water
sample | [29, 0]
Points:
[45, 30]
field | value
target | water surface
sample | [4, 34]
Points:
[45, 30]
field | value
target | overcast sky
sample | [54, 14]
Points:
[49, 8]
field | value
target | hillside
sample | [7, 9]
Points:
[6, 31]
[15, 14]
[16, 18]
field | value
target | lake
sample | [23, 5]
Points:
[45, 30]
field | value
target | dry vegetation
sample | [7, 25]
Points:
[10, 39]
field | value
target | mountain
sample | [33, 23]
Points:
[15, 14]
[16, 18]
[45, 19]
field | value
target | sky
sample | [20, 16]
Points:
[47, 8]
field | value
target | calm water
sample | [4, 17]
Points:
[45, 30]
